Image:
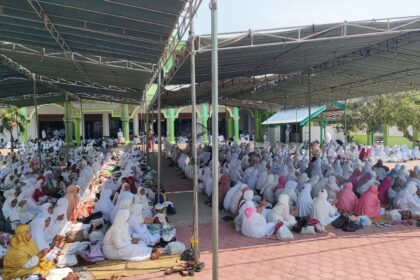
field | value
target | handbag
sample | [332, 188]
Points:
[174, 248]
[350, 226]
[74, 236]
[406, 215]
[168, 234]
[340, 221]
[308, 230]
[301, 223]
[93, 253]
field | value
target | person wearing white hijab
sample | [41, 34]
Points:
[46, 210]
[290, 190]
[347, 169]
[104, 204]
[338, 171]
[58, 222]
[281, 212]
[39, 231]
[255, 225]
[332, 187]
[118, 244]
[322, 210]
[229, 195]
[304, 202]
[407, 199]
[141, 198]
[11, 211]
[137, 227]
[245, 203]
[124, 195]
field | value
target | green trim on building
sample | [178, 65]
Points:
[313, 115]
[236, 123]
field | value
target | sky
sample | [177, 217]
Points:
[241, 15]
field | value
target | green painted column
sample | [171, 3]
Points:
[229, 127]
[204, 119]
[236, 122]
[170, 121]
[125, 125]
[258, 126]
[369, 136]
[386, 135]
[68, 140]
[24, 111]
[76, 120]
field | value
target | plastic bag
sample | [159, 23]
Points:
[174, 248]
[308, 230]
[394, 215]
[364, 221]
[284, 234]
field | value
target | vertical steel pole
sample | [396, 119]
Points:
[255, 117]
[345, 125]
[215, 139]
[82, 122]
[146, 111]
[309, 117]
[159, 167]
[194, 242]
[37, 121]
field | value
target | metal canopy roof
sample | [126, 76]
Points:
[90, 48]
[345, 60]
[294, 115]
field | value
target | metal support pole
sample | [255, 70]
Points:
[82, 122]
[159, 160]
[37, 122]
[147, 129]
[345, 125]
[215, 139]
[309, 117]
[255, 117]
[194, 242]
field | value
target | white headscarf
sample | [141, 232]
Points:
[281, 211]
[304, 201]
[118, 235]
[322, 210]
[407, 199]
[290, 190]
[104, 204]
[39, 232]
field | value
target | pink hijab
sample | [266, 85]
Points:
[354, 177]
[73, 198]
[346, 199]
[383, 189]
[369, 203]
[281, 183]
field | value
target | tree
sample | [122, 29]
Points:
[372, 113]
[366, 114]
[404, 111]
[11, 118]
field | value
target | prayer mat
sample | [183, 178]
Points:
[108, 268]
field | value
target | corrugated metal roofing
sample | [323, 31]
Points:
[131, 31]
[345, 60]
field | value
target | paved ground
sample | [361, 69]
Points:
[371, 253]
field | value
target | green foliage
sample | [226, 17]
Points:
[10, 117]
[372, 113]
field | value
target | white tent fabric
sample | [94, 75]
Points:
[293, 115]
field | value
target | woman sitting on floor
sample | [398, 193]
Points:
[118, 244]
[23, 257]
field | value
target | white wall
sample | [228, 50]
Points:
[316, 133]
